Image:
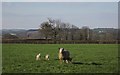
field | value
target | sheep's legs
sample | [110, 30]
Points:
[66, 61]
[60, 61]
[37, 58]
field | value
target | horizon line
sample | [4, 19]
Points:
[38, 28]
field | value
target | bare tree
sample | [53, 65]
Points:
[46, 29]
[86, 32]
[67, 28]
[58, 30]
[74, 32]
[55, 24]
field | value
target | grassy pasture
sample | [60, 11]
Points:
[87, 58]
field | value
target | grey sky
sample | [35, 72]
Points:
[28, 15]
[60, 0]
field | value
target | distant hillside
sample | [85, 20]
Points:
[22, 33]
[18, 32]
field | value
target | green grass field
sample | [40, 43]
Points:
[87, 58]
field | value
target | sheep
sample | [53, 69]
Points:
[64, 55]
[47, 57]
[38, 56]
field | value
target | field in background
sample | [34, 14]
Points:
[87, 58]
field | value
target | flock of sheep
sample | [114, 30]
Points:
[63, 55]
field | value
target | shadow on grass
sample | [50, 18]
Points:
[81, 63]
[90, 63]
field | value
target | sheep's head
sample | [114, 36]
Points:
[61, 50]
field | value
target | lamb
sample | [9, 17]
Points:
[38, 56]
[47, 57]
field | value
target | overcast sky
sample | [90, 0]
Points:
[29, 15]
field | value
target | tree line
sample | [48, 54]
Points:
[57, 30]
